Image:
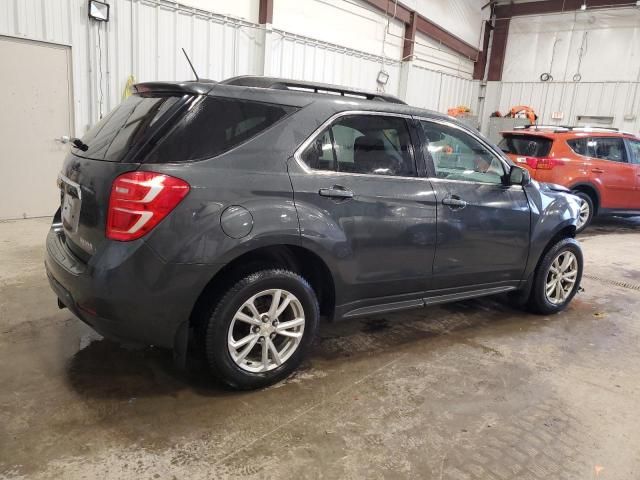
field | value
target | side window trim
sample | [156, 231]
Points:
[428, 159]
[329, 123]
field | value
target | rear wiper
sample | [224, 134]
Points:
[79, 144]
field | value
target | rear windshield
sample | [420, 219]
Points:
[124, 127]
[215, 125]
[526, 145]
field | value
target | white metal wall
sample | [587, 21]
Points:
[303, 58]
[620, 100]
[439, 91]
[144, 38]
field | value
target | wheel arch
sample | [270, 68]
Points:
[591, 190]
[291, 257]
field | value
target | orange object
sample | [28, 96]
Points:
[458, 111]
[524, 110]
[603, 163]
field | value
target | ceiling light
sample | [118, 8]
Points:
[583, 6]
[99, 11]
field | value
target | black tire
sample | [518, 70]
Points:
[589, 201]
[538, 301]
[217, 352]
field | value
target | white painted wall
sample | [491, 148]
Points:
[346, 42]
[463, 18]
[244, 9]
[610, 67]
[611, 49]
[351, 24]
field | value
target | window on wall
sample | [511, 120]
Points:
[604, 148]
[457, 155]
[367, 144]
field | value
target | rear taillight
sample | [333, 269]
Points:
[139, 201]
[543, 163]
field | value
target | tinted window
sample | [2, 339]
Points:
[605, 148]
[215, 125]
[124, 127]
[634, 146]
[457, 155]
[370, 144]
[526, 145]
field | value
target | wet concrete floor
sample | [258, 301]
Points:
[471, 390]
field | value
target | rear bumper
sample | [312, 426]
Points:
[125, 292]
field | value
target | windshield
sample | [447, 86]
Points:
[124, 127]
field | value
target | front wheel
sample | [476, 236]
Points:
[557, 277]
[261, 329]
[585, 215]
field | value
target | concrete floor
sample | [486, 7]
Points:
[472, 390]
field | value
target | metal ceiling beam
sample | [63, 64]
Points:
[425, 26]
[555, 6]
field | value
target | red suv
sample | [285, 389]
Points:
[600, 165]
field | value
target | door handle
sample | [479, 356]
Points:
[597, 170]
[454, 202]
[336, 191]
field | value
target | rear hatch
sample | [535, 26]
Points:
[112, 147]
[527, 150]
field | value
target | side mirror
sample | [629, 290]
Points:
[519, 176]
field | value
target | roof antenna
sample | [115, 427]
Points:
[191, 65]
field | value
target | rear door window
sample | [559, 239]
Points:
[368, 144]
[604, 148]
[526, 145]
[215, 125]
[124, 127]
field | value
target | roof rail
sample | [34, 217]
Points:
[304, 86]
[567, 128]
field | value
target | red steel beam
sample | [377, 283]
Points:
[554, 6]
[423, 25]
[265, 12]
[409, 38]
[481, 64]
[498, 49]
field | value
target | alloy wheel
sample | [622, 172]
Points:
[266, 330]
[561, 277]
[583, 215]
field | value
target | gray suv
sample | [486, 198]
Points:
[228, 218]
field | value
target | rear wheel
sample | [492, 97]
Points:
[261, 329]
[557, 277]
[587, 209]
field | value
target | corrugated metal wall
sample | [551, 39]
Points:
[439, 91]
[619, 100]
[303, 58]
[144, 38]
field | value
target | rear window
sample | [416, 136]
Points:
[215, 125]
[124, 127]
[526, 145]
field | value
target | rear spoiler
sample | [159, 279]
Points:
[201, 87]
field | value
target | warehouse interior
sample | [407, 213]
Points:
[476, 389]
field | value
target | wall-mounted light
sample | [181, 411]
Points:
[383, 77]
[99, 10]
[583, 6]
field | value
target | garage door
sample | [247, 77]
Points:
[35, 100]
